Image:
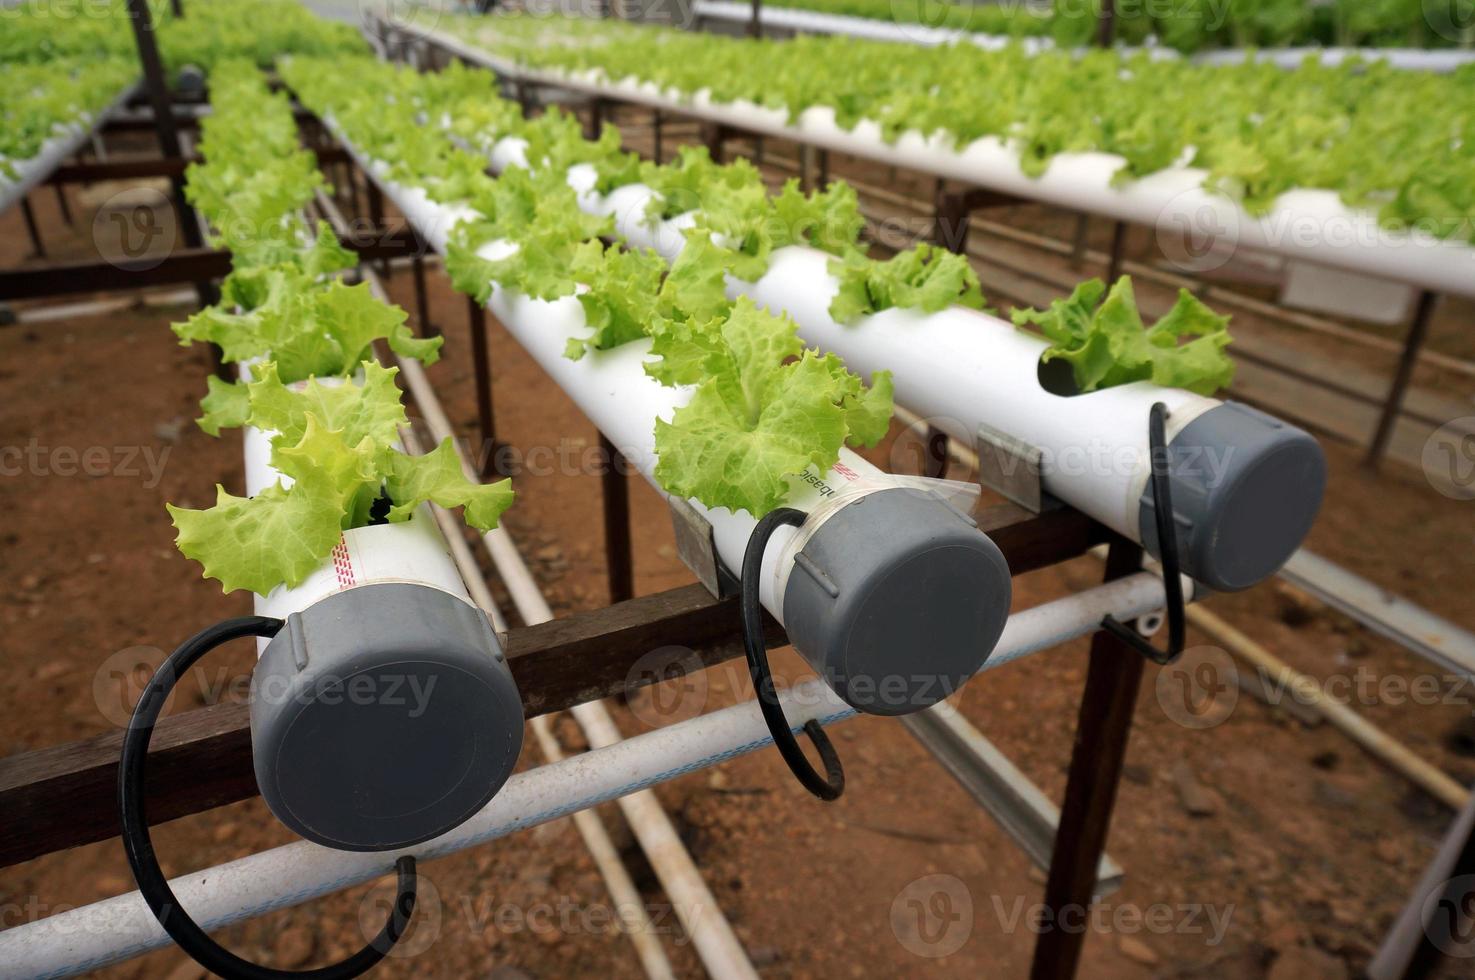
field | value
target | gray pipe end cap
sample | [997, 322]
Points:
[1246, 490]
[896, 600]
[383, 716]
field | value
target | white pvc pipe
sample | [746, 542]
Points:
[119, 928]
[69, 138]
[612, 389]
[962, 369]
[591, 828]
[1440, 60]
[869, 28]
[720, 950]
[958, 368]
[1306, 224]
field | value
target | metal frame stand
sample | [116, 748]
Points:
[38, 248]
[476, 322]
[1418, 332]
[1102, 730]
[158, 93]
[614, 484]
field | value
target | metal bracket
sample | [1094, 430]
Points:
[1011, 468]
[696, 547]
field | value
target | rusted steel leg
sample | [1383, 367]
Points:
[1418, 332]
[1102, 730]
[486, 423]
[615, 486]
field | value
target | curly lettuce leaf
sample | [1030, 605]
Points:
[371, 410]
[257, 543]
[620, 300]
[439, 477]
[1108, 344]
[926, 278]
[227, 406]
[764, 408]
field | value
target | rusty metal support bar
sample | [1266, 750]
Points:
[38, 247]
[69, 278]
[142, 22]
[1418, 332]
[615, 492]
[1102, 730]
[476, 322]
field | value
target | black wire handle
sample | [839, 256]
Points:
[152, 883]
[827, 787]
[1167, 546]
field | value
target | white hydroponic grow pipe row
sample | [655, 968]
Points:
[612, 389]
[1248, 485]
[868, 28]
[119, 928]
[1307, 225]
[68, 139]
[876, 557]
[717, 946]
[1441, 60]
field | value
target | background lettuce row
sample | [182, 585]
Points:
[1399, 143]
[1188, 25]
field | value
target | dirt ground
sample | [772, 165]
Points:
[1255, 846]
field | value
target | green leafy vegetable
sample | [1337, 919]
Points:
[1107, 344]
[925, 277]
[763, 409]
